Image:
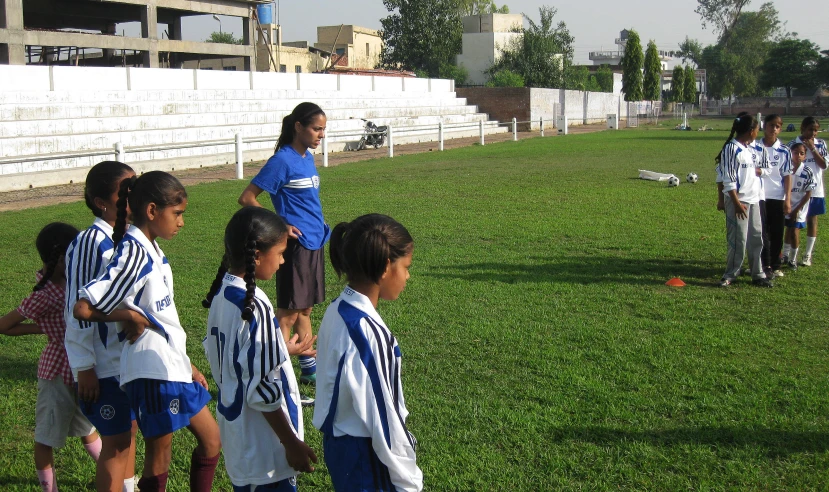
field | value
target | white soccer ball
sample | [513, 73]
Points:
[692, 178]
[673, 181]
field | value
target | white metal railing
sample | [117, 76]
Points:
[119, 151]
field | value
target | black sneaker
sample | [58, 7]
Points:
[762, 282]
[306, 400]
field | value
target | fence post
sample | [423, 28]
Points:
[325, 150]
[760, 119]
[391, 142]
[119, 151]
[541, 124]
[240, 162]
[481, 128]
[440, 136]
[514, 130]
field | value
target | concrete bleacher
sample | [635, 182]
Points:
[49, 113]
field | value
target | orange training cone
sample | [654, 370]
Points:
[675, 282]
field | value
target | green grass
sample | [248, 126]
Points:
[542, 349]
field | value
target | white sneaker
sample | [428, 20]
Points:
[777, 274]
[807, 260]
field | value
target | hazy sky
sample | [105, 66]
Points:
[594, 23]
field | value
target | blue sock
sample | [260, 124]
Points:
[307, 365]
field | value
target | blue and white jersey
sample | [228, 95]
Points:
[739, 171]
[294, 185]
[359, 392]
[139, 278]
[253, 373]
[803, 181]
[760, 162]
[817, 171]
[88, 344]
[777, 159]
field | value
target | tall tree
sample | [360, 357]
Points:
[678, 84]
[722, 15]
[690, 49]
[604, 77]
[223, 38]
[790, 64]
[689, 92]
[420, 35]
[632, 61]
[543, 55]
[822, 70]
[479, 7]
[652, 78]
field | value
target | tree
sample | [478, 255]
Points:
[223, 38]
[790, 63]
[478, 7]
[420, 35]
[721, 14]
[604, 77]
[505, 78]
[678, 84]
[689, 92]
[822, 71]
[690, 49]
[652, 78]
[543, 55]
[632, 68]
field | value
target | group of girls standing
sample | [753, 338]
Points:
[769, 191]
[126, 346]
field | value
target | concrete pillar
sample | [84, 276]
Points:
[174, 31]
[110, 29]
[149, 30]
[11, 18]
[248, 36]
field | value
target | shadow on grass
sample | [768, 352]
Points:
[16, 367]
[776, 442]
[586, 270]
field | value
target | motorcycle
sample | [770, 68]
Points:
[373, 135]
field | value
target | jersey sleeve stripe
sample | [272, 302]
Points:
[135, 258]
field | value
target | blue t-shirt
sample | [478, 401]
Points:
[293, 183]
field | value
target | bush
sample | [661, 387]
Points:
[505, 78]
[454, 72]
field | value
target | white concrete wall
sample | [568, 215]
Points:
[481, 50]
[89, 79]
[24, 78]
[579, 107]
[317, 82]
[415, 85]
[147, 79]
[388, 84]
[213, 79]
[274, 80]
[355, 83]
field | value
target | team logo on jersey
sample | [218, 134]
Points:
[292, 481]
[107, 412]
[316, 181]
[174, 406]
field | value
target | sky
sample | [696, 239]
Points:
[595, 24]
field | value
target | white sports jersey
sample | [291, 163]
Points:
[90, 344]
[817, 171]
[778, 159]
[253, 373]
[359, 392]
[739, 165]
[139, 278]
[802, 182]
[761, 161]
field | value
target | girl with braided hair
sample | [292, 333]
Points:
[360, 407]
[165, 391]
[258, 407]
[57, 415]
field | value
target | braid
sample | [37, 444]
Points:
[54, 257]
[250, 278]
[121, 218]
[730, 136]
[215, 286]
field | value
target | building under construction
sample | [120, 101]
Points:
[83, 32]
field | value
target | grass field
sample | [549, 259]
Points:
[542, 349]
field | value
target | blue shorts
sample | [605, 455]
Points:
[164, 407]
[795, 225]
[111, 414]
[287, 485]
[354, 466]
[817, 206]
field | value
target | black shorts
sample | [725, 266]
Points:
[300, 281]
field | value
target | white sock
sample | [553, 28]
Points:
[787, 249]
[810, 245]
[129, 484]
[793, 256]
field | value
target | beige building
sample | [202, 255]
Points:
[484, 39]
[354, 46]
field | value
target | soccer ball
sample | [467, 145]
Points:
[673, 181]
[692, 178]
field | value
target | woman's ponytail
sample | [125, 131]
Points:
[121, 217]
